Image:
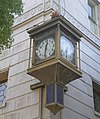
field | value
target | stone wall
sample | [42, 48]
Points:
[24, 103]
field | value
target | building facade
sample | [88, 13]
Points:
[20, 96]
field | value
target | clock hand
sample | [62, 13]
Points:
[46, 47]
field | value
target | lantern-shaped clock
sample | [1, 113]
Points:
[55, 52]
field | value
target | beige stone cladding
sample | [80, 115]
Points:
[24, 103]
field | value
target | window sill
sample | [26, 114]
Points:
[97, 113]
[3, 105]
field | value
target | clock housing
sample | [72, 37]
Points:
[55, 58]
[55, 52]
[44, 45]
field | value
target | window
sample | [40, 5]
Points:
[91, 15]
[96, 95]
[91, 10]
[3, 86]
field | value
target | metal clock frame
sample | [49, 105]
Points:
[57, 25]
[34, 62]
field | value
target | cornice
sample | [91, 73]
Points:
[45, 6]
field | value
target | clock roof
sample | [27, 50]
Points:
[60, 20]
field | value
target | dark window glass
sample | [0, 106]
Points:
[96, 96]
[96, 100]
[59, 94]
[50, 94]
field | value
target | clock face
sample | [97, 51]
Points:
[45, 48]
[67, 49]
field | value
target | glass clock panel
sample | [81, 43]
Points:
[67, 49]
[45, 48]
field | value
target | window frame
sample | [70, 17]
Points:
[96, 89]
[93, 21]
[3, 80]
[92, 6]
[92, 17]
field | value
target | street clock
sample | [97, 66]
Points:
[56, 59]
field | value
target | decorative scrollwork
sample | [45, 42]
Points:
[38, 9]
[27, 15]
